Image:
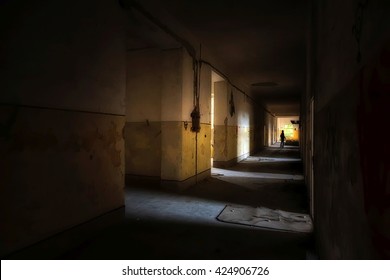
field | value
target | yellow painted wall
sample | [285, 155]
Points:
[220, 142]
[232, 137]
[171, 152]
[232, 142]
[188, 150]
[204, 148]
[179, 153]
[226, 143]
[196, 147]
[143, 148]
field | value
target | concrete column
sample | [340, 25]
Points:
[143, 113]
[159, 140]
[185, 154]
[171, 116]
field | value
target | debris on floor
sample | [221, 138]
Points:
[266, 218]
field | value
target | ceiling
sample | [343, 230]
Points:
[260, 42]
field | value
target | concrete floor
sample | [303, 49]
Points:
[160, 224]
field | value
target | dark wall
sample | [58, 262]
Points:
[62, 91]
[351, 156]
[258, 133]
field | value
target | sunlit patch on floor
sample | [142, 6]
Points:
[263, 175]
[269, 159]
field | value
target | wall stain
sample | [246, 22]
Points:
[23, 137]
[202, 149]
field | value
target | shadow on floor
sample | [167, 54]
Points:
[162, 224]
[179, 240]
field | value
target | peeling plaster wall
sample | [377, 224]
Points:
[232, 136]
[220, 121]
[61, 116]
[143, 148]
[59, 169]
[171, 158]
[243, 113]
[351, 177]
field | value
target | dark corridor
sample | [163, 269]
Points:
[127, 127]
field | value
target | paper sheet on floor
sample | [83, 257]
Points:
[266, 218]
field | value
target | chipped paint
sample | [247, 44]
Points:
[75, 159]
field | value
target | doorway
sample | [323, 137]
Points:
[290, 126]
[311, 161]
[215, 94]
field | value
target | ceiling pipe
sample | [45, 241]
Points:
[132, 4]
[236, 87]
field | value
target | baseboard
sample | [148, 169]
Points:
[156, 182]
[58, 245]
[137, 180]
[231, 162]
[182, 185]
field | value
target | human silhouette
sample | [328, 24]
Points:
[282, 139]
